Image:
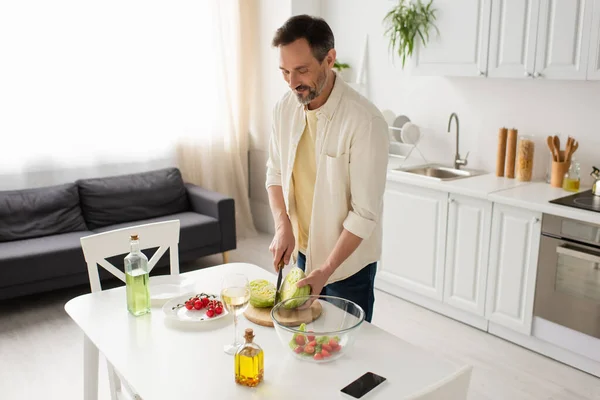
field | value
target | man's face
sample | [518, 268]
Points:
[305, 75]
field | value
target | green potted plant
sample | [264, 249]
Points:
[342, 68]
[404, 22]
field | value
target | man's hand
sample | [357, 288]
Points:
[282, 245]
[316, 279]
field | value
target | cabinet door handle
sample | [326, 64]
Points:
[536, 220]
[537, 75]
[528, 74]
[481, 73]
[451, 200]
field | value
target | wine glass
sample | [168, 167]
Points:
[235, 293]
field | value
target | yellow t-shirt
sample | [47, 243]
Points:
[304, 175]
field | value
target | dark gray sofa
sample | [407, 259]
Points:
[40, 228]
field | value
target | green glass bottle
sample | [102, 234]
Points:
[137, 279]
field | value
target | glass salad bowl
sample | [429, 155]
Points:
[322, 330]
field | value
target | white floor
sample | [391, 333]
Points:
[41, 351]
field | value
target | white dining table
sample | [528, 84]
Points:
[170, 360]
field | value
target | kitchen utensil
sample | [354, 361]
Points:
[397, 126]
[556, 142]
[339, 324]
[175, 310]
[550, 142]
[559, 169]
[596, 175]
[501, 151]
[400, 121]
[568, 149]
[410, 133]
[511, 153]
[279, 276]
[165, 287]
[262, 316]
[573, 149]
[389, 117]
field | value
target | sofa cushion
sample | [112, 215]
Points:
[196, 230]
[39, 212]
[134, 197]
[37, 259]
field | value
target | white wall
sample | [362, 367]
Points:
[272, 14]
[271, 87]
[534, 107]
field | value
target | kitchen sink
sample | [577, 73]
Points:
[441, 172]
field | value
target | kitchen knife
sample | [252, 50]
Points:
[280, 274]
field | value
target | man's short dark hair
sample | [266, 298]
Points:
[315, 30]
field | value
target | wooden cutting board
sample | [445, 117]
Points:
[262, 316]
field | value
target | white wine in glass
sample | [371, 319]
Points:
[235, 293]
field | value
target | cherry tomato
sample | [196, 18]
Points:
[300, 340]
[318, 356]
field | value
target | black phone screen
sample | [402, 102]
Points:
[363, 385]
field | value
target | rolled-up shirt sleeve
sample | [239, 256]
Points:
[368, 170]
[274, 161]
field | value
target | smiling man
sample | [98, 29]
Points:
[327, 169]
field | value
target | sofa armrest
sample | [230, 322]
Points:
[218, 206]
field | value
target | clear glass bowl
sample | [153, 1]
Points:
[331, 325]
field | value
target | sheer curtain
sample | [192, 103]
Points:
[220, 160]
[101, 88]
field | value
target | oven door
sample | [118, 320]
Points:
[568, 285]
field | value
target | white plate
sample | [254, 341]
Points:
[410, 133]
[165, 287]
[184, 315]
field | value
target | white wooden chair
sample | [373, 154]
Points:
[453, 387]
[97, 248]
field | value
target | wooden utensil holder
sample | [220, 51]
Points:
[559, 169]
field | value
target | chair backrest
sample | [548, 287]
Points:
[97, 248]
[453, 387]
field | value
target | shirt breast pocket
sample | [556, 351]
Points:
[336, 178]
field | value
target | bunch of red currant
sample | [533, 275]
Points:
[202, 301]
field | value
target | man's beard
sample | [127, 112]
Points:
[313, 93]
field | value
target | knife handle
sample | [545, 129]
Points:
[280, 265]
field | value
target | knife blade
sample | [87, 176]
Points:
[279, 276]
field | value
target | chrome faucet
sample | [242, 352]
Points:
[457, 160]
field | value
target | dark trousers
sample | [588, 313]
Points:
[357, 288]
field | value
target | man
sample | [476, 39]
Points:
[327, 169]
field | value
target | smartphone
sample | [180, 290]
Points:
[363, 385]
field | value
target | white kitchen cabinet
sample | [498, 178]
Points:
[527, 39]
[467, 249]
[514, 246]
[593, 72]
[513, 34]
[461, 49]
[414, 231]
[563, 39]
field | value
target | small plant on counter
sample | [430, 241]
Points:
[340, 66]
[407, 20]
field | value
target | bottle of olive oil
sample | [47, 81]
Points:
[249, 362]
[136, 279]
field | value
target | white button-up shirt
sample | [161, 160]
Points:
[351, 153]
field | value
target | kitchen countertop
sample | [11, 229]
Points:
[533, 195]
[536, 196]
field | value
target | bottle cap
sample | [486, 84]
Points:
[249, 334]
[134, 237]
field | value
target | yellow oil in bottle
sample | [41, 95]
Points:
[249, 362]
[571, 185]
